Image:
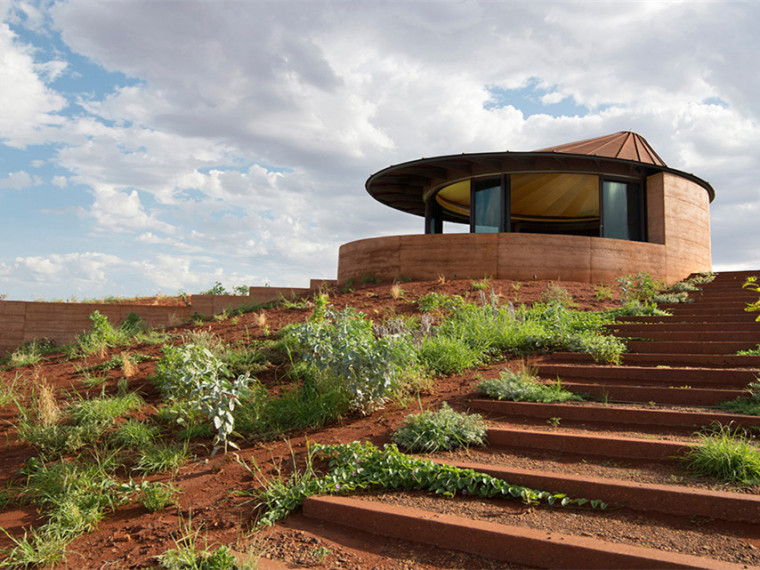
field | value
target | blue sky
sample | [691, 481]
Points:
[158, 146]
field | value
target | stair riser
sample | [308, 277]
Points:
[727, 378]
[689, 421]
[613, 447]
[683, 360]
[737, 336]
[636, 329]
[669, 500]
[518, 545]
[672, 396]
[688, 347]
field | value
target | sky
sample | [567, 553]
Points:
[162, 146]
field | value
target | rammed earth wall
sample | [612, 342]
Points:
[23, 321]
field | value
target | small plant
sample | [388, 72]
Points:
[134, 434]
[603, 292]
[105, 409]
[369, 278]
[161, 457]
[187, 554]
[671, 298]
[397, 292]
[482, 284]
[193, 373]
[554, 421]
[522, 386]
[640, 287]
[556, 294]
[442, 430]
[752, 285]
[157, 496]
[727, 454]
[750, 352]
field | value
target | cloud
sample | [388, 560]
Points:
[245, 131]
[28, 104]
[19, 180]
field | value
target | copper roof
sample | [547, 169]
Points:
[625, 145]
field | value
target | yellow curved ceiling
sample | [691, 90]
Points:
[542, 196]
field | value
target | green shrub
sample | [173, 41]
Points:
[750, 352]
[556, 294]
[522, 386]
[192, 373]
[435, 431]
[103, 335]
[640, 287]
[439, 302]
[671, 298]
[728, 455]
[344, 343]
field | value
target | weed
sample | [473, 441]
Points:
[751, 284]
[134, 434]
[397, 292]
[554, 421]
[482, 284]
[522, 386]
[161, 457]
[672, 298]
[43, 547]
[105, 410]
[603, 292]
[750, 352]
[727, 454]
[556, 294]
[369, 278]
[157, 496]
[442, 430]
[640, 287]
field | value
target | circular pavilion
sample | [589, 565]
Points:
[586, 211]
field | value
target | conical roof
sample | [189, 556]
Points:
[625, 145]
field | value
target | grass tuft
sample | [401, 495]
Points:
[435, 431]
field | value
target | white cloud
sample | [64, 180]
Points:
[19, 180]
[27, 104]
[250, 128]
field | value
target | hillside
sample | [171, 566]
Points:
[618, 446]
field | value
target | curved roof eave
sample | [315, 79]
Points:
[403, 186]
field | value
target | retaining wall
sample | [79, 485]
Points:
[23, 321]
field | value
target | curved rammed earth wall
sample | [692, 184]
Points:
[678, 215]
[678, 228]
[515, 256]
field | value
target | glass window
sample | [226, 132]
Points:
[622, 210]
[486, 216]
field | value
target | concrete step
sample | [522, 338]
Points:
[614, 415]
[646, 376]
[679, 396]
[688, 347]
[666, 499]
[518, 545]
[588, 444]
[682, 360]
